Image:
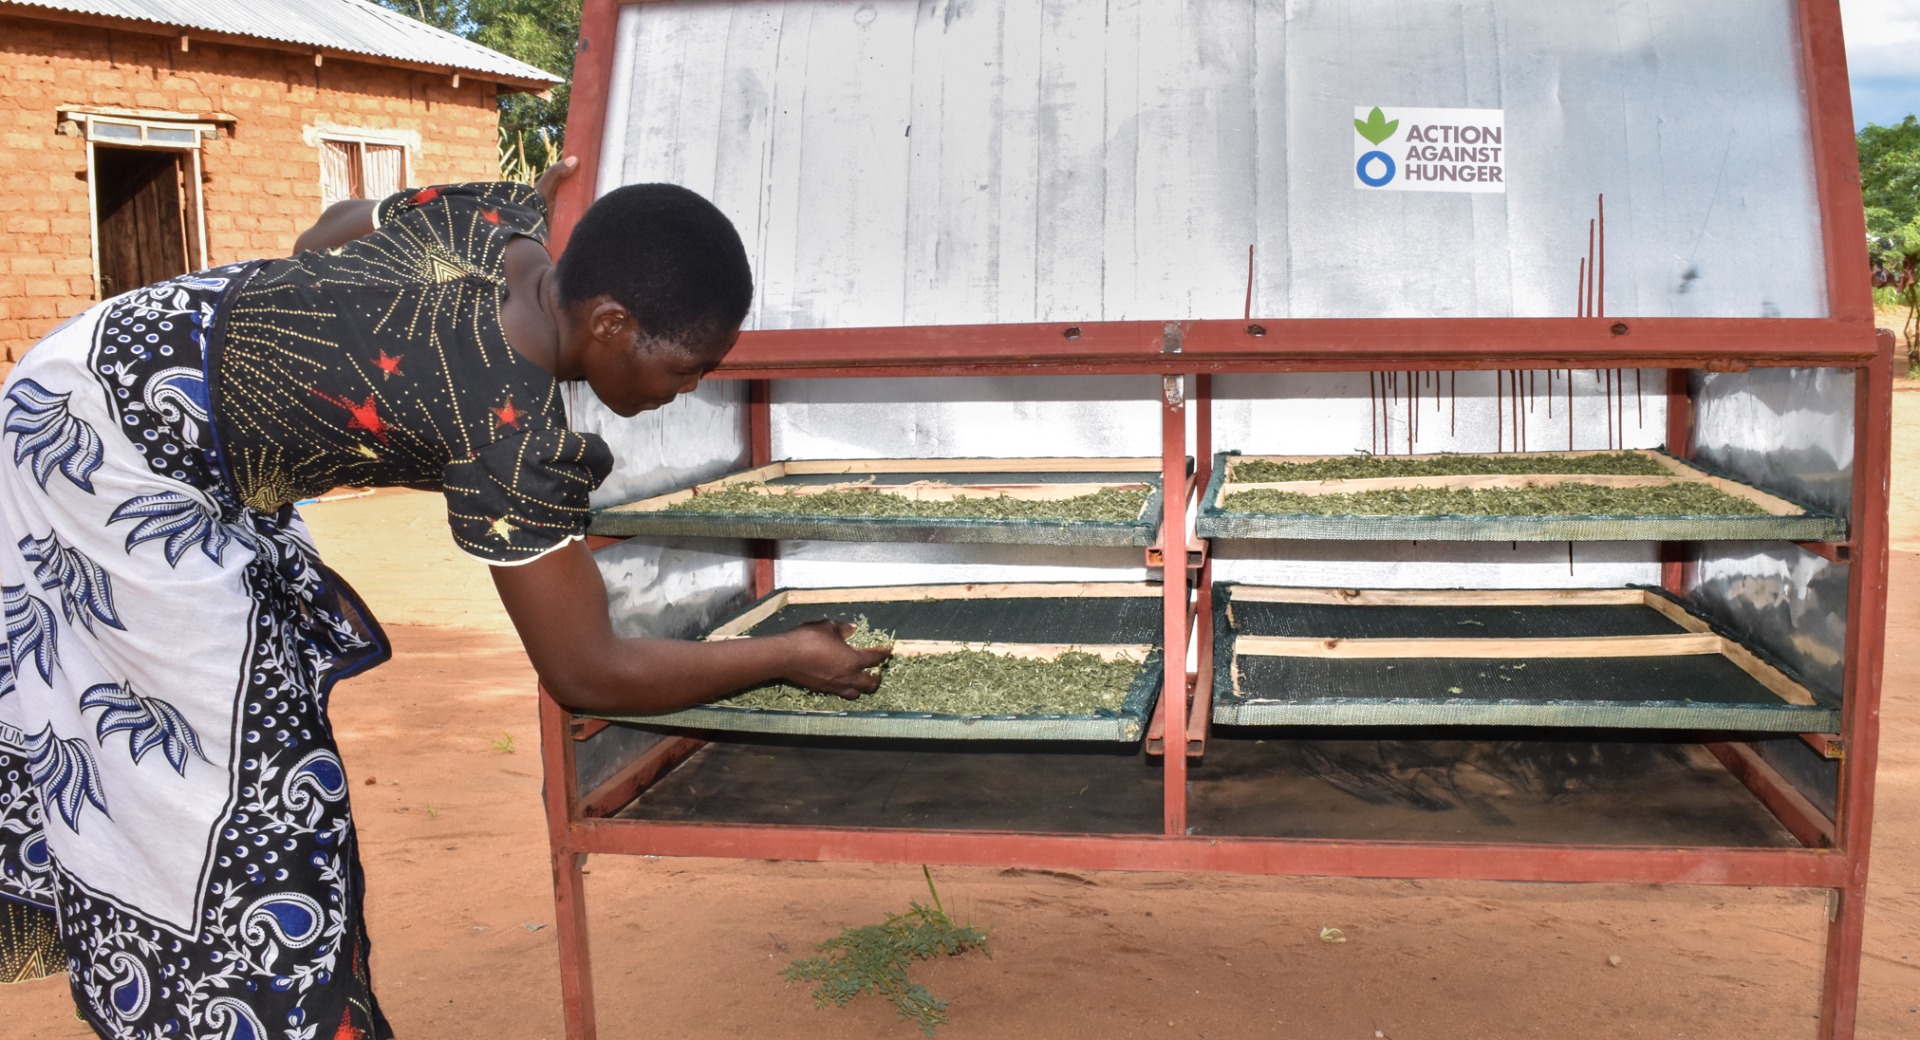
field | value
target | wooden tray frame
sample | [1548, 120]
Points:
[1233, 707]
[1128, 726]
[652, 516]
[1783, 519]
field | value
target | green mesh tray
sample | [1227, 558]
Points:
[1806, 525]
[1064, 614]
[1683, 691]
[644, 518]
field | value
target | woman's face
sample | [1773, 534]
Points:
[637, 372]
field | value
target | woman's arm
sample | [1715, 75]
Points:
[339, 224]
[349, 219]
[559, 606]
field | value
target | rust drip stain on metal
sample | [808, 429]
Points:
[1373, 423]
[1569, 409]
[1453, 402]
[1393, 395]
[1520, 405]
[1523, 401]
[1413, 409]
[1606, 398]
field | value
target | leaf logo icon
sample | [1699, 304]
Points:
[1376, 127]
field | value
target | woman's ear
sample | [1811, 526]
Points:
[609, 321]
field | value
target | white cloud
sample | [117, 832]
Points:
[1883, 58]
[1883, 38]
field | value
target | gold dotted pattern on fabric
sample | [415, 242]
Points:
[383, 363]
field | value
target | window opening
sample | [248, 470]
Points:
[360, 169]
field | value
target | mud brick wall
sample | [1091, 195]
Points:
[260, 179]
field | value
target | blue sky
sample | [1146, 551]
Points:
[1883, 58]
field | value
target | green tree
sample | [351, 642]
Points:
[1890, 187]
[538, 32]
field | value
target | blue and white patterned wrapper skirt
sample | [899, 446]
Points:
[169, 784]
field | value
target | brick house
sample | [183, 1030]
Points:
[146, 138]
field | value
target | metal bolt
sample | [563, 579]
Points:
[1256, 330]
[1073, 332]
[1619, 328]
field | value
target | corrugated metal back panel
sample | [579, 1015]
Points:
[349, 26]
[974, 161]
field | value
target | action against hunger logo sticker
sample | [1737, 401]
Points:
[1430, 149]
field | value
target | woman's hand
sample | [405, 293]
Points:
[559, 606]
[821, 660]
[549, 183]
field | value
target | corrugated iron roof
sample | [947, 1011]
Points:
[345, 26]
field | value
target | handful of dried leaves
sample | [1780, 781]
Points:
[1357, 467]
[966, 682]
[1109, 505]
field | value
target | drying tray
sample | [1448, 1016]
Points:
[1009, 618]
[1630, 658]
[1018, 478]
[1785, 520]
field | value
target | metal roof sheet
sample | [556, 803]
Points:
[346, 26]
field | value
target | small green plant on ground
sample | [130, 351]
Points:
[876, 957]
[504, 744]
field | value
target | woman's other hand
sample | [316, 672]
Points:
[822, 661]
[549, 183]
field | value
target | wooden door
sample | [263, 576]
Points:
[143, 213]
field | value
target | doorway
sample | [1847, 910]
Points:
[142, 204]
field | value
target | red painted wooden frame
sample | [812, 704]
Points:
[578, 823]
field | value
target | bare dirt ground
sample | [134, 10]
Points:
[441, 745]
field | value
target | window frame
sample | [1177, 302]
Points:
[90, 125]
[362, 138]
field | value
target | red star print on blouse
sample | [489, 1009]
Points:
[508, 416]
[425, 195]
[363, 416]
[389, 366]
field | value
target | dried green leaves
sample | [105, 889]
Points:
[1109, 505]
[1566, 498]
[966, 682]
[1557, 492]
[1358, 467]
[971, 682]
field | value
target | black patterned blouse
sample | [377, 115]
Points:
[382, 362]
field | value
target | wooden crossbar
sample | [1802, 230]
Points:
[1440, 597]
[1591, 646]
[895, 593]
[1135, 654]
[933, 492]
[1009, 590]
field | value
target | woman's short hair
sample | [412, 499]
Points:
[665, 254]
